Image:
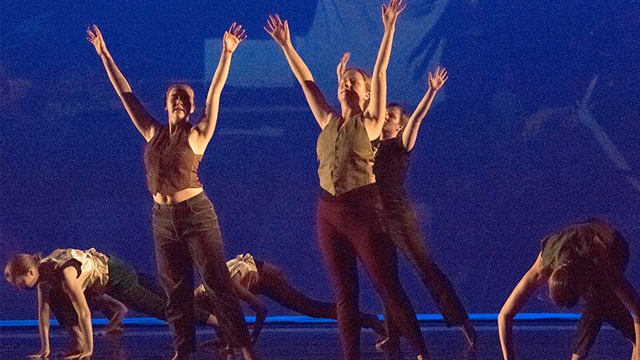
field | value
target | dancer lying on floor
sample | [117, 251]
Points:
[585, 260]
[251, 277]
[67, 280]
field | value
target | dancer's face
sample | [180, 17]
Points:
[28, 280]
[353, 87]
[392, 123]
[179, 105]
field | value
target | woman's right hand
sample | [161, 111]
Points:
[278, 30]
[94, 36]
[342, 66]
[390, 12]
[43, 354]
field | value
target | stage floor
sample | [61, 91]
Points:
[320, 342]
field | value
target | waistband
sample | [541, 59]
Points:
[363, 192]
[201, 197]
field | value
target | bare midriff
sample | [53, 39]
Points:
[176, 197]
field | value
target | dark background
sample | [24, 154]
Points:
[493, 170]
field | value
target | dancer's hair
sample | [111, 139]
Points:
[568, 283]
[19, 265]
[404, 118]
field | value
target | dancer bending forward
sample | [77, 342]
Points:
[587, 261]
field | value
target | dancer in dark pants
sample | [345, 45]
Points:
[350, 222]
[69, 280]
[585, 260]
[251, 277]
[393, 151]
[185, 225]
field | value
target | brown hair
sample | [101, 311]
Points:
[19, 265]
[404, 118]
[568, 282]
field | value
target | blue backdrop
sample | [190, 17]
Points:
[537, 127]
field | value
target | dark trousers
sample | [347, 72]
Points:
[188, 234]
[274, 285]
[602, 305]
[406, 234]
[351, 226]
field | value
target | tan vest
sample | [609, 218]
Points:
[94, 270]
[345, 155]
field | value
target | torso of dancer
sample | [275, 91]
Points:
[69, 281]
[393, 151]
[251, 277]
[185, 224]
[585, 260]
[350, 222]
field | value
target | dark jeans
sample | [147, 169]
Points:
[351, 226]
[406, 234]
[188, 234]
[273, 284]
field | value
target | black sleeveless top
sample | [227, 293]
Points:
[391, 164]
[170, 163]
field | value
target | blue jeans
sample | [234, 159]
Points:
[188, 234]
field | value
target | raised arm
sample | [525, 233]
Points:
[629, 297]
[202, 133]
[43, 323]
[520, 295]
[375, 112]
[74, 290]
[410, 133]
[145, 124]
[320, 108]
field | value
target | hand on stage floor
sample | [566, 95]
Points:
[42, 354]
[233, 37]
[278, 30]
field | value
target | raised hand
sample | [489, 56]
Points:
[233, 37]
[94, 36]
[278, 30]
[438, 79]
[342, 66]
[390, 12]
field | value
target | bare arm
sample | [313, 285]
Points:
[145, 124]
[629, 297]
[74, 290]
[375, 112]
[520, 295]
[201, 135]
[119, 311]
[410, 133]
[255, 304]
[43, 323]
[320, 108]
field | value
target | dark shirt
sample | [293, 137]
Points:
[596, 243]
[391, 163]
[170, 162]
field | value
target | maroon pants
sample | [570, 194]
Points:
[350, 226]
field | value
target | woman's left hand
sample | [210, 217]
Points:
[233, 37]
[390, 12]
[438, 79]
[80, 356]
[342, 66]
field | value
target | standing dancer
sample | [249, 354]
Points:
[185, 225]
[398, 138]
[585, 260]
[350, 222]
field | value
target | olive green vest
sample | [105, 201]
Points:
[345, 155]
